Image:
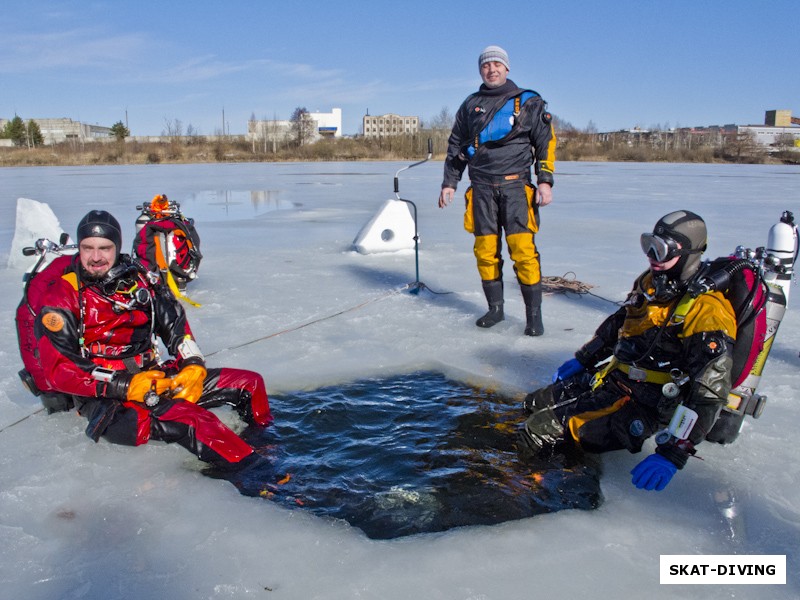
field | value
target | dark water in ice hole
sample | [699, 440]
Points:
[408, 454]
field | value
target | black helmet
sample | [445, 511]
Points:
[683, 228]
[102, 224]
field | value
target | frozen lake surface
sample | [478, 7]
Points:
[84, 520]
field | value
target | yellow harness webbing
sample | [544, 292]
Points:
[682, 309]
[646, 375]
[600, 376]
[174, 287]
[633, 373]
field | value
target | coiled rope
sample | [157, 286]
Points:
[569, 284]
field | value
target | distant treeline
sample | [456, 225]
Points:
[670, 146]
[573, 145]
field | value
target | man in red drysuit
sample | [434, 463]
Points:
[99, 316]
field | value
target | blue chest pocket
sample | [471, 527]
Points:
[503, 120]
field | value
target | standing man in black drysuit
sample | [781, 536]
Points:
[500, 131]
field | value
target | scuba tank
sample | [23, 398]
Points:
[143, 217]
[775, 265]
[782, 245]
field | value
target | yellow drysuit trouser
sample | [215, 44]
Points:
[506, 204]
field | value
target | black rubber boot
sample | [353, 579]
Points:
[494, 296]
[532, 294]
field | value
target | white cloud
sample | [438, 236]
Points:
[74, 49]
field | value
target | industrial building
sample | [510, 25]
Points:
[780, 129]
[376, 126]
[55, 131]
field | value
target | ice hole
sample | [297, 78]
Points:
[408, 454]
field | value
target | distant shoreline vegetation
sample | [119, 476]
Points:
[573, 145]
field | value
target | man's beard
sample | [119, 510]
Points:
[90, 277]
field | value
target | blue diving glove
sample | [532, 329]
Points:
[653, 473]
[568, 369]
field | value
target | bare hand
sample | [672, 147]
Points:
[544, 194]
[446, 196]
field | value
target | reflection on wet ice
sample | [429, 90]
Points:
[235, 204]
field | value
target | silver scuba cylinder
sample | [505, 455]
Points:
[782, 246]
[142, 219]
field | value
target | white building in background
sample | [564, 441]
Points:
[328, 124]
[390, 124]
[276, 131]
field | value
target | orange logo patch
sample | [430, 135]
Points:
[53, 322]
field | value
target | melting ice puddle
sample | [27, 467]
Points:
[233, 204]
[408, 454]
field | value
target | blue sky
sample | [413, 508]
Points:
[615, 64]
